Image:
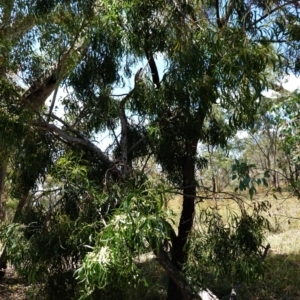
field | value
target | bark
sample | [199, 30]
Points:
[79, 140]
[214, 189]
[179, 253]
[210, 150]
[297, 169]
[124, 137]
[180, 281]
[2, 200]
[175, 275]
[35, 96]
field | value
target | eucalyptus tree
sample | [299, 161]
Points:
[216, 53]
[270, 144]
[39, 47]
[41, 43]
[289, 163]
[275, 138]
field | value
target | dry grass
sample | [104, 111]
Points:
[282, 278]
[284, 217]
[285, 221]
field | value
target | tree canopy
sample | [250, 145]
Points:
[84, 208]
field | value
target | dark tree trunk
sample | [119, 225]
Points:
[214, 186]
[179, 254]
[2, 188]
[175, 274]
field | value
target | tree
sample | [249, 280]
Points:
[41, 44]
[217, 54]
[287, 122]
[27, 77]
[271, 142]
[222, 59]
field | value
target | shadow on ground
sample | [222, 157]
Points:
[12, 287]
[281, 282]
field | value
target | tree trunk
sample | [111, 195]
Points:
[36, 96]
[214, 189]
[176, 276]
[2, 211]
[179, 253]
[3, 169]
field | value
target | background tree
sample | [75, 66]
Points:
[268, 142]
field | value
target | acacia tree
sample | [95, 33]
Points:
[216, 54]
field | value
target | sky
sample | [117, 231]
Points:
[290, 83]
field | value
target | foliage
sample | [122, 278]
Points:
[241, 170]
[137, 226]
[228, 250]
[49, 243]
[85, 208]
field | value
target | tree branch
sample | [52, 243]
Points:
[272, 11]
[7, 9]
[140, 141]
[259, 146]
[218, 13]
[80, 140]
[229, 9]
[153, 68]
[124, 135]
[70, 128]
[41, 89]
[52, 103]
[21, 26]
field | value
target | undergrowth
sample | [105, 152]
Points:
[281, 279]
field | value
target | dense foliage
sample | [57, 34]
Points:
[84, 208]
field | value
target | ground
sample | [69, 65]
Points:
[12, 287]
[281, 282]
